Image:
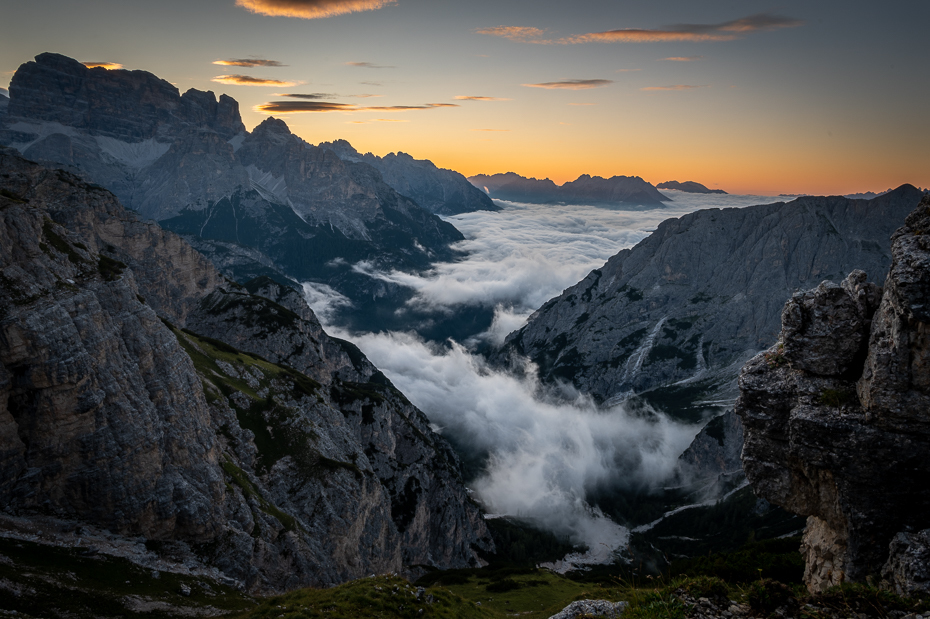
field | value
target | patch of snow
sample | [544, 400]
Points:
[237, 140]
[43, 130]
[133, 154]
[267, 185]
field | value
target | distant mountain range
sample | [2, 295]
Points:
[688, 187]
[586, 189]
[259, 203]
[440, 191]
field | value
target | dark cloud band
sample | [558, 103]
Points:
[571, 84]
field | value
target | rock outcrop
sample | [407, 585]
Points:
[688, 187]
[259, 203]
[586, 189]
[143, 392]
[836, 420]
[440, 191]
[702, 294]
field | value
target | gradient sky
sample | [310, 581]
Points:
[752, 97]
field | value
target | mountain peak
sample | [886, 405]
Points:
[272, 125]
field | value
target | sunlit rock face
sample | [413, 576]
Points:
[703, 293]
[837, 419]
[143, 392]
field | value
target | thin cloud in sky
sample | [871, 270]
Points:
[370, 65]
[582, 104]
[675, 87]
[725, 31]
[683, 58]
[312, 96]
[248, 80]
[523, 34]
[469, 98]
[249, 62]
[364, 96]
[292, 107]
[310, 9]
[103, 65]
[571, 84]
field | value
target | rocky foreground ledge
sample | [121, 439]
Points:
[837, 421]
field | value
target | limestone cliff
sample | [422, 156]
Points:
[142, 392]
[702, 294]
[836, 420]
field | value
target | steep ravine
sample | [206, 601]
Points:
[144, 393]
[837, 425]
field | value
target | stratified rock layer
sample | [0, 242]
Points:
[836, 419]
[143, 392]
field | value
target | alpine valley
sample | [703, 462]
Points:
[222, 372]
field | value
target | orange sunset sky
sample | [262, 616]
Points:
[750, 97]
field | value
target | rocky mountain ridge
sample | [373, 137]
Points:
[259, 203]
[688, 187]
[144, 393]
[586, 189]
[836, 422]
[688, 305]
[438, 190]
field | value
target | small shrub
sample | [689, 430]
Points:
[834, 397]
[766, 595]
[109, 268]
[708, 587]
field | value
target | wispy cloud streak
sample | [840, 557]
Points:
[695, 33]
[103, 65]
[248, 80]
[292, 107]
[370, 65]
[310, 9]
[249, 62]
[469, 98]
[571, 84]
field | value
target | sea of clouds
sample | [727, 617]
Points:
[546, 448]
